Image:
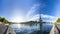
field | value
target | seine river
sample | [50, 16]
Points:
[27, 29]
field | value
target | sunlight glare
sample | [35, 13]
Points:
[19, 26]
[17, 19]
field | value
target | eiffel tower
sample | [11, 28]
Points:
[40, 19]
[40, 23]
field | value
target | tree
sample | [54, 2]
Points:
[58, 20]
[0, 18]
[3, 20]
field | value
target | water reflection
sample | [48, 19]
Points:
[26, 29]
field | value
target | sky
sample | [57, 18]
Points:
[25, 10]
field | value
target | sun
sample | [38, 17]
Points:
[17, 19]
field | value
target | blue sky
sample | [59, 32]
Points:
[23, 10]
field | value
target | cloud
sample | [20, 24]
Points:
[16, 16]
[32, 10]
[35, 17]
[47, 18]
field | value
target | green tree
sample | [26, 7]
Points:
[0, 18]
[58, 20]
[3, 20]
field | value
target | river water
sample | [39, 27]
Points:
[27, 29]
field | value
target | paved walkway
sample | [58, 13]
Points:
[6, 30]
[58, 28]
[2, 28]
[10, 31]
[52, 30]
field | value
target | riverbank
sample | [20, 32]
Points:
[6, 29]
[39, 32]
[52, 30]
[2, 28]
[10, 30]
[58, 28]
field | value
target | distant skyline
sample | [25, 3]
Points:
[25, 10]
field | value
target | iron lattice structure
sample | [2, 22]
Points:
[40, 23]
